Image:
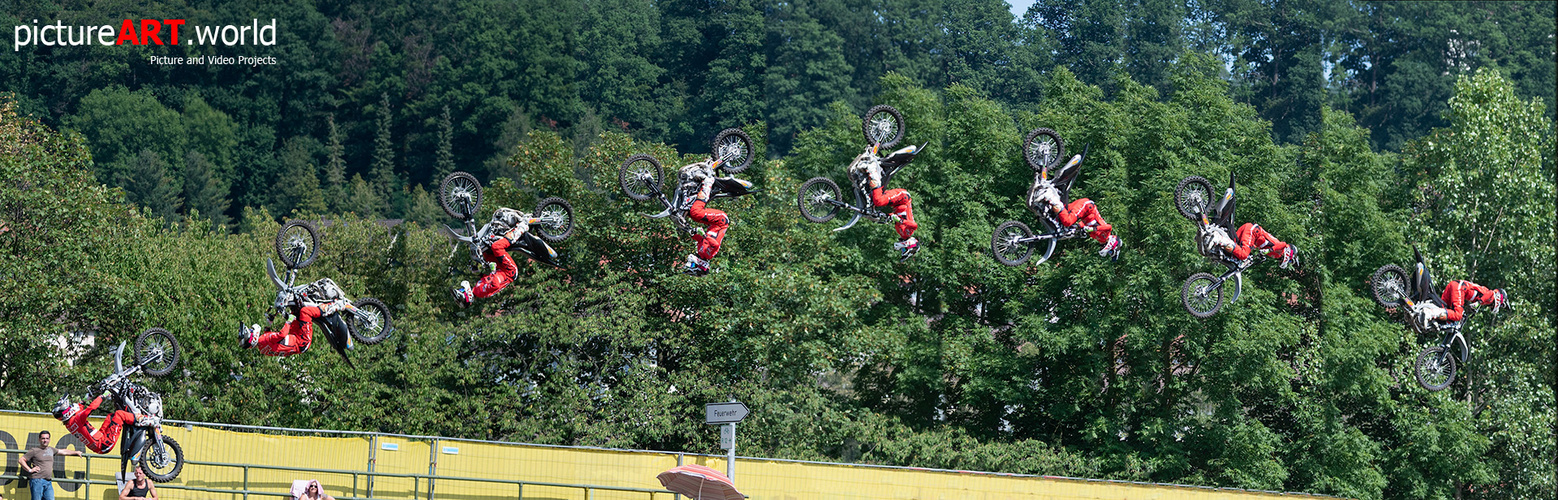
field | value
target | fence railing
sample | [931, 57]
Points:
[417, 480]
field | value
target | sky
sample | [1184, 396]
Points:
[1019, 6]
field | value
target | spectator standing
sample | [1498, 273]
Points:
[38, 465]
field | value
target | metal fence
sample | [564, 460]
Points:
[360, 480]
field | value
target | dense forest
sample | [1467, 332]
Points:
[400, 94]
[139, 196]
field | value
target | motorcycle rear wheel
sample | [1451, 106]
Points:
[813, 198]
[1435, 368]
[372, 323]
[1200, 298]
[1005, 244]
[1193, 197]
[297, 244]
[557, 219]
[157, 351]
[460, 195]
[165, 464]
[1389, 285]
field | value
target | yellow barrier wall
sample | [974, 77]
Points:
[760, 479]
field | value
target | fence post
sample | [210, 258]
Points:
[373, 456]
[432, 467]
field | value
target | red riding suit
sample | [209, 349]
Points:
[491, 284]
[1251, 236]
[293, 338]
[899, 200]
[717, 221]
[1459, 292]
[101, 440]
[1083, 210]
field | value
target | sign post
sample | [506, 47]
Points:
[726, 414]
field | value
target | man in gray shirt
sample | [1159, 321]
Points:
[38, 466]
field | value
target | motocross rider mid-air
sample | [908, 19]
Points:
[321, 298]
[1252, 237]
[1082, 213]
[902, 211]
[698, 183]
[506, 227]
[101, 440]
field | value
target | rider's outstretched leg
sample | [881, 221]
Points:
[1083, 211]
[495, 282]
[294, 337]
[708, 241]
[1257, 237]
[902, 210]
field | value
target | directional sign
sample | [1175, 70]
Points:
[724, 413]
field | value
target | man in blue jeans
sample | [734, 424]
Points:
[38, 465]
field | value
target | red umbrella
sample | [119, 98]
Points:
[699, 483]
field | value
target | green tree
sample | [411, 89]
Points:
[297, 192]
[204, 191]
[445, 147]
[148, 182]
[383, 173]
[120, 124]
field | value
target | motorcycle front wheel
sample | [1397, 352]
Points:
[1435, 368]
[297, 244]
[1389, 285]
[1200, 297]
[883, 125]
[460, 195]
[156, 351]
[640, 177]
[734, 146]
[1007, 246]
[1193, 196]
[556, 216]
[1043, 149]
[371, 323]
[162, 463]
[814, 199]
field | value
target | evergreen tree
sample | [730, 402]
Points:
[383, 173]
[445, 147]
[424, 208]
[203, 190]
[363, 199]
[297, 192]
[335, 186]
[148, 183]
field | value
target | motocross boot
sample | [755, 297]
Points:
[1289, 257]
[907, 248]
[463, 294]
[248, 336]
[696, 266]
[1111, 249]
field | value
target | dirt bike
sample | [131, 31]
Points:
[1434, 368]
[1013, 243]
[820, 199]
[1202, 293]
[642, 176]
[156, 354]
[460, 195]
[368, 320]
